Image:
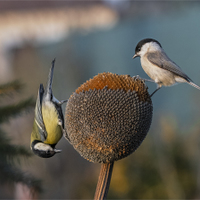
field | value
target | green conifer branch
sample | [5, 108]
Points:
[8, 88]
[6, 112]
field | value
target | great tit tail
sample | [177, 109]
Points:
[48, 92]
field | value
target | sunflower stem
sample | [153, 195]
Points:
[103, 181]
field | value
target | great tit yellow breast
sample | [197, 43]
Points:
[50, 118]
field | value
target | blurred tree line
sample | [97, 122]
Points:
[10, 155]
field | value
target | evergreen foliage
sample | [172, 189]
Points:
[9, 153]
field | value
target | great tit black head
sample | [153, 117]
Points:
[43, 150]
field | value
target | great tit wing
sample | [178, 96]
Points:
[60, 113]
[60, 116]
[38, 114]
[162, 60]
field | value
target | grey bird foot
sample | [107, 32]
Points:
[155, 91]
[138, 77]
[148, 80]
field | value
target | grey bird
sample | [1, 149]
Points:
[158, 66]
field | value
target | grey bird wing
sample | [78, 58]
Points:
[162, 60]
[38, 114]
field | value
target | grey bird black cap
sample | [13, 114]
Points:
[144, 41]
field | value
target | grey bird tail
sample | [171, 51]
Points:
[194, 85]
[48, 92]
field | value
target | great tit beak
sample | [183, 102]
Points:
[135, 56]
[57, 150]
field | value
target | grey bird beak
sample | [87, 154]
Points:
[57, 150]
[135, 56]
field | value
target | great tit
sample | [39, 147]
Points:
[158, 66]
[48, 126]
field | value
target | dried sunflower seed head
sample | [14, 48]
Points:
[108, 117]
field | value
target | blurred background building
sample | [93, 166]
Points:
[90, 37]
